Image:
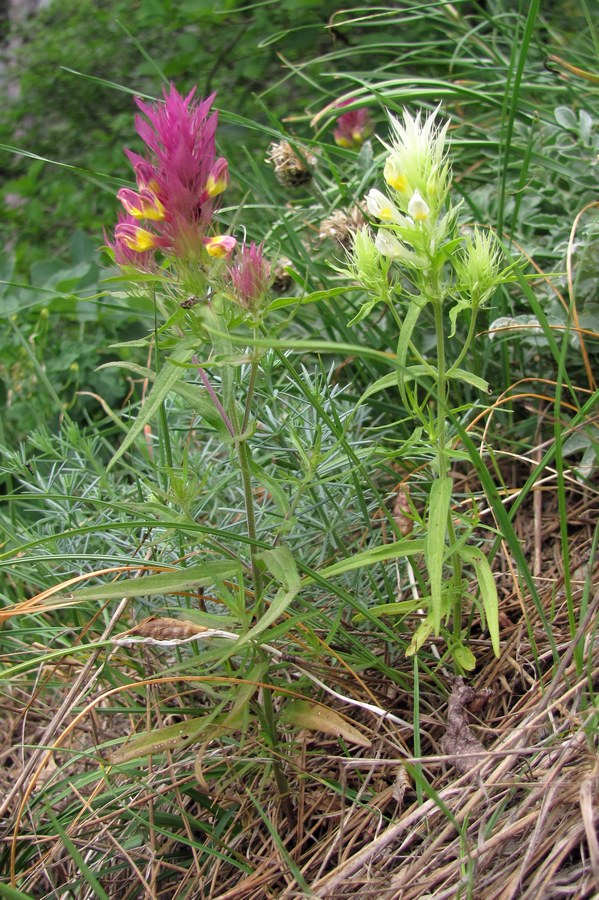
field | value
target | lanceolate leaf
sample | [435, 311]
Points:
[174, 582]
[420, 635]
[196, 396]
[315, 717]
[419, 371]
[475, 557]
[407, 329]
[282, 302]
[281, 564]
[171, 737]
[396, 550]
[440, 499]
[168, 376]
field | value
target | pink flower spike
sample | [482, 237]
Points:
[144, 205]
[181, 170]
[353, 127]
[220, 246]
[250, 275]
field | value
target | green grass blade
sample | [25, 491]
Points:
[78, 860]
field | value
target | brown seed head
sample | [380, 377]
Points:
[291, 168]
[341, 226]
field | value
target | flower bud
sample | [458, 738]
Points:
[366, 263]
[250, 276]
[478, 267]
[220, 246]
[218, 178]
[418, 207]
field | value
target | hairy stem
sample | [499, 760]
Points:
[442, 462]
[244, 459]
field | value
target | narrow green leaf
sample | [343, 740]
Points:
[475, 557]
[238, 715]
[196, 396]
[420, 635]
[166, 378]
[80, 865]
[315, 297]
[281, 564]
[165, 583]
[266, 479]
[407, 328]
[420, 371]
[469, 378]
[381, 384]
[439, 503]
[396, 550]
[390, 609]
[171, 737]
[10, 893]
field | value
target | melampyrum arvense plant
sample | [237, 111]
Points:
[417, 258]
[202, 283]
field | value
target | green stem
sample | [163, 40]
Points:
[166, 452]
[243, 456]
[442, 462]
[251, 385]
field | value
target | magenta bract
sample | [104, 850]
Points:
[250, 275]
